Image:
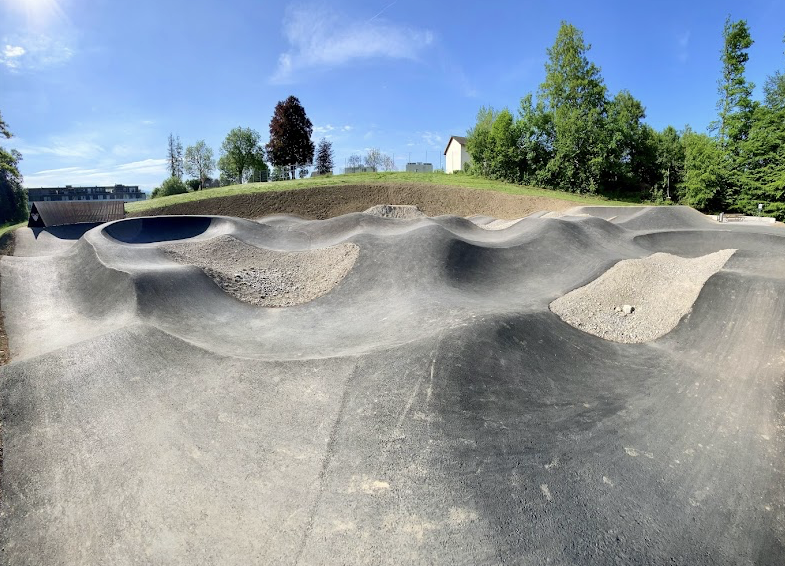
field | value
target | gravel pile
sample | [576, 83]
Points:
[265, 277]
[499, 224]
[563, 213]
[405, 211]
[638, 300]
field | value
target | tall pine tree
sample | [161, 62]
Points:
[324, 157]
[575, 95]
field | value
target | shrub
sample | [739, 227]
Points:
[172, 186]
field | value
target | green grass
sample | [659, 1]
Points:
[388, 177]
[9, 228]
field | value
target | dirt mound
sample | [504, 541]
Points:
[327, 202]
[265, 277]
[403, 211]
[660, 288]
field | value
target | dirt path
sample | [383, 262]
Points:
[6, 248]
[326, 202]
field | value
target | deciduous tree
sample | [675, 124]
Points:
[575, 95]
[199, 162]
[172, 186]
[174, 156]
[374, 158]
[13, 198]
[706, 173]
[290, 142]
[354, 160]
[241, 152]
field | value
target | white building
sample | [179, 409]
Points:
[359, 169]
[419, 167]
[456, 155]
[126, 193]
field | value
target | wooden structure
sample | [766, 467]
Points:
[44, 214]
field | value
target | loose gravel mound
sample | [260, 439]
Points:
[404, 211]
[264, 277]
[499, 224]
[638, 300]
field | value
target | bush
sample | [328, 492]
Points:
[192, 184]
[172, 186]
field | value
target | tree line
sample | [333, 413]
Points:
[244, 158]
[13, 198]
[573, 136]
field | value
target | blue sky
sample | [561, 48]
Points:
[92, 89]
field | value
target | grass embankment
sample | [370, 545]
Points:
[395, 177]
[6, 228]
[6, 248]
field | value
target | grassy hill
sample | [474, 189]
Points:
[391, 178]
[10, 227]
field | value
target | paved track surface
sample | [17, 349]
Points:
[428, 410]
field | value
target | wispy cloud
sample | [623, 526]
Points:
[326, 129]
[432, 139]
[321, 39]
[146, 173]
[65, 147]
[682, 46]
[35, 52]
[10, 56]
[329, 131]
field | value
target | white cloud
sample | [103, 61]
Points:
[35, 52]
[146, 173]
[320, 39]
[346, 128]
[10, 56]
[432, 139]
[65, 147]
[323, 129]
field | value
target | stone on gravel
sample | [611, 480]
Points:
[663, 288]
[265, 277]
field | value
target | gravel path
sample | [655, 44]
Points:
[265, 277]
[660, 288]
[405, 211]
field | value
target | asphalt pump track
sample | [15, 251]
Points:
[429, 409]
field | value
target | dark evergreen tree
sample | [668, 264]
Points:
[324, 157]
[735, 105]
